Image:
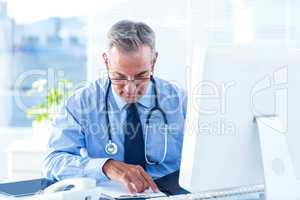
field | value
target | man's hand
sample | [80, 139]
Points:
[133, 177]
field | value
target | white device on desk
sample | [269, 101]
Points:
[228, 88]
[29, 188]
[74, 184]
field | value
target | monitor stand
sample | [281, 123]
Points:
[279, 173]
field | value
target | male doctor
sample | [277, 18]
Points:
[102, 132]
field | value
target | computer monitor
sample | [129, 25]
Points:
[227, 88]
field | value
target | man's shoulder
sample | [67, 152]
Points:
[172, 96]
[89, 92]
[169, 87]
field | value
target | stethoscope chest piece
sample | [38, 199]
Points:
[111, 148]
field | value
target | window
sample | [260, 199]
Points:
[50, 48]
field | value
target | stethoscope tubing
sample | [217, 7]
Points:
[111, 147]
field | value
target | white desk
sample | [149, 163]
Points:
[110, 189]
[24, 159]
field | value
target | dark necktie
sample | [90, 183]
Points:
[134, 152]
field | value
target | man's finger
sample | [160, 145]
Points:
[137, 181]
[149, 180]
[130, 187]
[127, 182]
[145, 182]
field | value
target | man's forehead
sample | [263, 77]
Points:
[130, 63]
[144, 52]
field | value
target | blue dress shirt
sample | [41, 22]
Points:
[82, 124]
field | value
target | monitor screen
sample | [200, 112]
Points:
[228, 87]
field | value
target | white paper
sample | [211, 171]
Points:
[117, 190]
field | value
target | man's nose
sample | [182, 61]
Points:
[130, 87]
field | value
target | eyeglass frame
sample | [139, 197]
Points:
[124, 81]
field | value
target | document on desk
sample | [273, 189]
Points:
[117, 190]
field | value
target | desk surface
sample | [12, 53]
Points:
[118, 190]
[109, 188]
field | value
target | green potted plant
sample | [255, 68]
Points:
[45, 111]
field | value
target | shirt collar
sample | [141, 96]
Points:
[146, 100]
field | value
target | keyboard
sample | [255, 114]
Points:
[248, 192]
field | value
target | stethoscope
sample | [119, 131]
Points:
[111, 148]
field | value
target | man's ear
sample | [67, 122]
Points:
[154, 61]
[155, 57]
[105, 59]
[104, 56]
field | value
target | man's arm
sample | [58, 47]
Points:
[63, 157]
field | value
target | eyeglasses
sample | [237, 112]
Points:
[139, 79]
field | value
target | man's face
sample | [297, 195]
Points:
[137, 66]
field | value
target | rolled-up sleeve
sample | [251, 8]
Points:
[63, 157]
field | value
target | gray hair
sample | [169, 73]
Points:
[129, 36]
